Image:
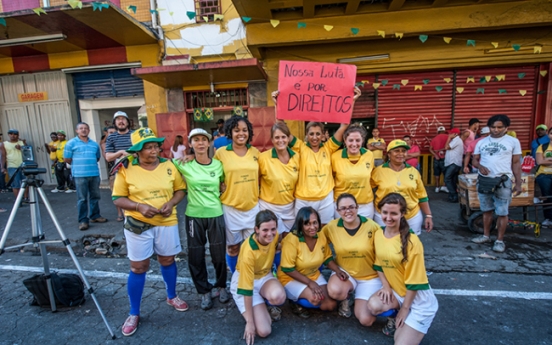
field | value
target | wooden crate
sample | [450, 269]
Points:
[467, 185]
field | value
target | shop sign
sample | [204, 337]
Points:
[32, 96]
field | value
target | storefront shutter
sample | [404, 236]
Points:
[102, 84]
[365, 106]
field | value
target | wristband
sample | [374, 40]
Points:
[429, 216]
[137, 206]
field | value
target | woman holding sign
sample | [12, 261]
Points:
[316, 183]
[352, 168]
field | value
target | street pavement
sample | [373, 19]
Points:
[484, 297]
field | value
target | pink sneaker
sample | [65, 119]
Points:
[131, 325]
[178, 304]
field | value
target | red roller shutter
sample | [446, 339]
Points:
[498, 97]
[262, 120]
[404, 111]
[365, 106]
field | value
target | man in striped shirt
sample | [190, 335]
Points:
[83, 154]
[117, 143]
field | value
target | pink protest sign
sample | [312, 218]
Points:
[316, 91]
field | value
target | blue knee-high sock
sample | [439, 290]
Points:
[135, 288]
[277, 259]
[232, 261]
[169, 276]
[305, 303]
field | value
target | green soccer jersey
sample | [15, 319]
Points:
[203, 186]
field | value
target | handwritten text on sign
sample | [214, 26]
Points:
[32, 96]
[316, 91]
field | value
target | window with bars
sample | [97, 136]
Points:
[220, 99]
[207, 8]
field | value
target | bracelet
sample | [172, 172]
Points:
[137, 206]
[429, 216]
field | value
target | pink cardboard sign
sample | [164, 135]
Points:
[316, 91]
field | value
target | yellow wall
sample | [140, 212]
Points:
[156, 102]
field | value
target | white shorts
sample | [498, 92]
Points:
[415, 222]
[422, 311]
[161, 240]
[324, 207]
[365, 210]
[285, 214]
[294, 289]
[364, 289]
[257, 285]
[239, 224]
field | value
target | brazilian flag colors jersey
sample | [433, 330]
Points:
[154, 188]
[203, 186]
[355, 254]
[241, 176]
[406, 182]
[278, 180]
[296, 256]
[315, 170]
[254, 262]
[402, 276]
[353, 178]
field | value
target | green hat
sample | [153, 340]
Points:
[142, 136]
[543, 126]
[397, 143]
[61, 132]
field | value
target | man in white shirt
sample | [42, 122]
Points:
[453, 162]
[498, 155]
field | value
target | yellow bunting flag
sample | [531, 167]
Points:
[328, 27]
[470, 79]
[447, 80]
[522, 92]
[381, 33]
[488, 78]
[501, 77]
[460, 89]
[274, 22]
[75, 3]
[543, 73]
[447, 39]
[537, 49]
[218, 17]
[399, 35]
[365, 82]
[404, 82]
[206, 19]
[495, 44]
[376, 85]
[39, 10]
[417, 87]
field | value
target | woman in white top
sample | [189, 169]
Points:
[178, 150]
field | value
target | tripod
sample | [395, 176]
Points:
[38, 240]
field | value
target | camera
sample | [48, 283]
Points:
[31, 168]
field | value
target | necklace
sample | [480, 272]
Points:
[399, 174]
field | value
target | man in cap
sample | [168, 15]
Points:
[63, 172]
[220, 125]
[83, 154]
[13, 158]
[485, 131]
[438, 150]
[117, 143]
[453, 162]
[541, 139]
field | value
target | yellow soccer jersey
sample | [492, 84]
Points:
[154, 188]
[278, 180]
[241, 176]
[53, 152]
[407, 182]
[545, 169]
[353, 178]
[254, 262]
[60, 147]
[402, 276]
[355, 254]
[315, 171]
[378, 154]
[296, 256]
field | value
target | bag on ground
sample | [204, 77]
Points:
[68, 289]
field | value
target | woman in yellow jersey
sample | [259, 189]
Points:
[253, 282]
[352, 168]
[279, 171]
[148, 190]
[316, 183]
[352, 237]
[303, 253]
[240, 200]
[401, 268]
[397, 176]
[544, 176]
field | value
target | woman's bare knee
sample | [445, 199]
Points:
[264, 331]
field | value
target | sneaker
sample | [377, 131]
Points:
[99, 220]
[131, 325]
[299, 310]
[547, 222]
[2, 210]
[437, 189]
[275, 313]
[499, 246]
[345, 309]
[69, 191]
[55, 190]
[178, 304]
[221, 293]
[444, 189]
[389, 328]
[83, 226]
[206, 301]
[481, 239]
[26, 201]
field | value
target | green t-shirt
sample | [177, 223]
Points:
[203, 186]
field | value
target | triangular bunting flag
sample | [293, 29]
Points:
[376, 85]
[447, 80]
[301, 25]
[153, 11]
[381, 33]
[423, 38]
[3, 21]
[523, 92]
[328, 27]
[482, 80]
[246, 19]
[384, 82]
[359, 84]
[417, 87]
[365, 82]
[521, 75]
[516, 47]
[480, 90]
[439, 88]
[396, 86]
[495, 44]
[543, 73]
[537, 49]
[99, 6]
[355, 30]
[470, 43]
[274, 22]
[218, 17]
[161, 9]
[404, 82]
[425, 81]
[190, 14]
[470, 79]
[447, 39]
[206, 19]
[488, 78]
[131, 8]
[501, 77]
[76, 3]
[500, 91]
[171, 13]
[460, 89]
[399, 35]
[40, 10]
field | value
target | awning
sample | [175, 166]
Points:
[64, 29]
[178, 76]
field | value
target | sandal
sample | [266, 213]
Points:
[120, 218]
[299, 310]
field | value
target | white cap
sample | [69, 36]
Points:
[199, 131]
[485, 130]
[441, 129]
[120, 113]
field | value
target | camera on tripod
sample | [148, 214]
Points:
[29, 166]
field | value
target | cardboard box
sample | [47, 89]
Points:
[467, 190]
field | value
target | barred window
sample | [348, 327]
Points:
[207, 8]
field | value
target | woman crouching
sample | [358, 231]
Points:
[253, 282]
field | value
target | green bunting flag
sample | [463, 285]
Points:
[423, 38]
[480, 90]
[355, 30]
[301, 25]
[396, 86]
[470, 43]
[99, 6]
[521, 75]
[246, 19]
[131, 8]
[3, 21]
[425, 81]
[384, 82]
[516, 47]
[190, 14]
[501, 91]
[482, 80]
[439, 88]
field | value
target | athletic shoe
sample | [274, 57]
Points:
[481, 239]
[547, 222]
[55, 190]
[299, 310]
[99, 220]
[178, 304]
[389, 328]
[499, 246]
[131, 325]
[444, 189]
[221, 293]
[83, 226]
[2, 210]
[345, 309]
[437, 189]
[275, 313]
[69, 191]
[206, 301]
